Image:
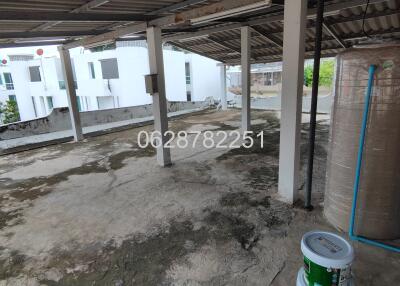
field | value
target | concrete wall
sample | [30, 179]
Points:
[205, 76]
[59, 119]
[274, 103]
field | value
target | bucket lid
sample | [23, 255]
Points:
[327, 249]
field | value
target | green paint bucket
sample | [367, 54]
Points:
[327, 259]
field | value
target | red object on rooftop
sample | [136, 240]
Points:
[39, 52]
[4, 61]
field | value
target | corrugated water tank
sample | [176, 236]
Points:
[378, 212]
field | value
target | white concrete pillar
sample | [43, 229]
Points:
[292, 93]
[156, 63]
[224, 102]
[71, 93]
[246, 77]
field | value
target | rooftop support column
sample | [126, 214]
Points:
[292, 93]
[156, 63]
[71, 93]
[245, 54]
[224, 102]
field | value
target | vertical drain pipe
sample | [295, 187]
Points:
[314, 102]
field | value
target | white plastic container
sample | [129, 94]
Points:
[327, 259]
[301, 281]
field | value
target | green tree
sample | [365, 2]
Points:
[326, 71]
[308, 75]
[9, 112]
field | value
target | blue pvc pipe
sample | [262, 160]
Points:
[368, 94]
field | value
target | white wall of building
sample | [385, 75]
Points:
[20, 74]
[98, 93]
[28, 92]
[205, 77]
[175, 78]
[133, 65]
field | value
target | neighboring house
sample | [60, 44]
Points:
[107, 79]
[265, 79]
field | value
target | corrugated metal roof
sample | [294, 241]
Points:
[383, 20]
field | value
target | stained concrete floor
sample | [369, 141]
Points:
[102, 212]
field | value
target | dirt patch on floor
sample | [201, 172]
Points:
[145, 260]
[139, 260]
[11, 265]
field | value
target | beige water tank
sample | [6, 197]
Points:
[378, 212]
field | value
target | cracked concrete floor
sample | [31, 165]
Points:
[101, 212]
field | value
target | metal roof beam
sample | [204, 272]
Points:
[334, 35]
[330, 10]
[84, 8]
[269, 38]
[32, 44]
[193, 51]
[175, 19]
[202, 33]
[225, 45]
[27, 16]
[183, 17]
[205, 11]
[347, 38]
[375, 14]
[43, 34]
[90, 5]
[176, 6]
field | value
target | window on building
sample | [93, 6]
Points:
[109, 68]
[61, 85]
[277, 78]
[1, 80]
[42, 105]
[187, 72]
[34, 72]
[91, 70]
[34, 106]
[78, 100]
[12, 98]
[87, 101]
[50, 104]
[9, 81]
[188, 96]
[268, 79]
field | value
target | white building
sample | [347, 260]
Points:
[107, 79]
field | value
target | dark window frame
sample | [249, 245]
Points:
[34, 74]
[109, 68]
